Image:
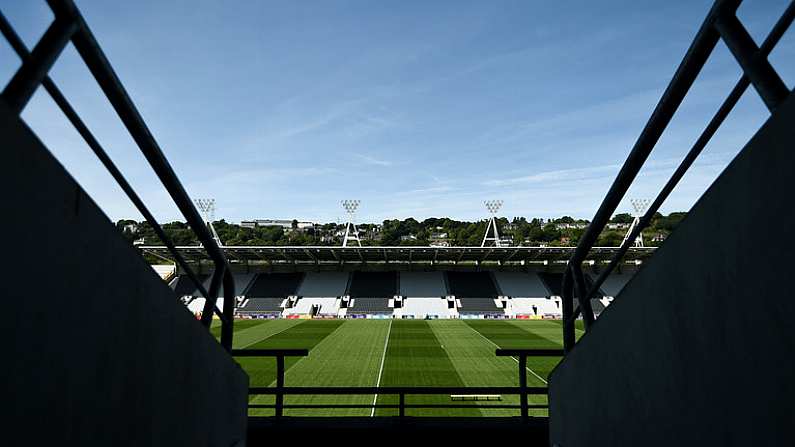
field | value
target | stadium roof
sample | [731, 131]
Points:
[402, 254]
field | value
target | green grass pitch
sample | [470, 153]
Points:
[396, 353]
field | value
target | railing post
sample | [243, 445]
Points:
[583, 299]
[523, 385]
[401, 405]
[569, 336]
[279, 385]
[228, 329]
[212, 298]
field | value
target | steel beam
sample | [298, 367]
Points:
[35, 67]
[753, 61]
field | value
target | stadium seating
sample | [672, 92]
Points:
[265, 305]
[553, 282]
[243, 282]
[479, 306]
[521, 284]
[535, 306]
[196, 305]
[596, 304]
[323, 284]
[305, 306]
[422, 284]
[373, 284]
[589, 281]
[420, 307]
[370, 305]
[183, 286]
[471, 285]
[275, 285]
[614, 283]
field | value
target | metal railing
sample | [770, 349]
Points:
[721, 23]
[69, 26]
[280, 390]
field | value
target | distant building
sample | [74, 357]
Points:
[439, 239]
[284, 223]
[408, 237]
[506, 241]
[571, 226]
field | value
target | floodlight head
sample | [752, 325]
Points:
[351, 205]
[493, 205]
[207, 207]
[639, 205]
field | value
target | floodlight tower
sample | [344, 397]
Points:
[493, 206]
[207, 208]
[639, 205]
[350, 208]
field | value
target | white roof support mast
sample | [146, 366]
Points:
[207, 208]
[493, 206]
[640, 206]
[350, 208]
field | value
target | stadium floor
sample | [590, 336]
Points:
[396, 353]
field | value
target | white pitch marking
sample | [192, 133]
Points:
[381, 369]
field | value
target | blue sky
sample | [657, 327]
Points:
[282, 109]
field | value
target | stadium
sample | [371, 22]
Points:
[122, 342]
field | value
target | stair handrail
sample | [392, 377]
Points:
[69, 26]
[721, 23]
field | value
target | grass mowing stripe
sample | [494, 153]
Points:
[474, 360]
[262, 371]
[349, 356]
[499, 346]
[381, 368]
[579, 328]
[239, 325]
[416, 358]
[547, 329]
[504, 335]
[507, 335]
[256, 334]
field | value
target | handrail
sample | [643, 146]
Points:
[280, 390]
[69, 26]
[721, 22]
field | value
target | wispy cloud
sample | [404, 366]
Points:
[652, 167]
[429, 190]
[370, 160]
[558, 175]
[329, 117]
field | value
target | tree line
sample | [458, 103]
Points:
[563, 231]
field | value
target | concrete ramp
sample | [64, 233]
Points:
[110, 357]
[698, 349]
